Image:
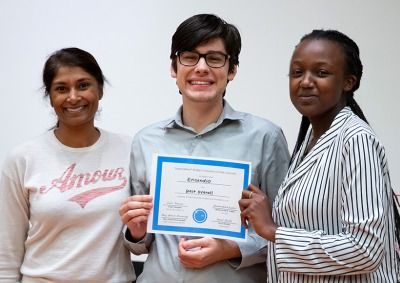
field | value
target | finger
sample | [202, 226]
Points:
[254, 189]
[181, 249]
[139, 198]
[189, 258]
[244, 203]
[253, 192]
[133, 206]
[137, 215]
[192, 245]
[247, 194]
[138, 220]
[138, 204]
[243, 219]
[241, 204]
[187, 263]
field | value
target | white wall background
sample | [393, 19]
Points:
[131, 41]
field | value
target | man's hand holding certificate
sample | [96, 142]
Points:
[198, 196]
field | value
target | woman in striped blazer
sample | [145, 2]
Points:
[333, 219]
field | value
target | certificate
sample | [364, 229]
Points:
[196, 196]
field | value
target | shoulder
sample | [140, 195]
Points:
[258, 129]
[246, 117]
[356, 133]
[28, 149]
[117, 137]
[248, 120]
[257, 123]
[154, 129]
[355, 127]
[36, 143]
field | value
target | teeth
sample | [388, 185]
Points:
[200, 83]
[74, 109]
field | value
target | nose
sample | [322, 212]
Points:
[307, 81]
[202, 64]
[73, 96]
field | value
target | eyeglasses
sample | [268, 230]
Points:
[213, 59]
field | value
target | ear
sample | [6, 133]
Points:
[232, 74]
[173, 73]
[350, 82]
[101, 94]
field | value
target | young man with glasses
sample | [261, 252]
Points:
[205, 57]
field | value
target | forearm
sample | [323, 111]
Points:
[14, 218]
[229, 250]
[137, 247]
[296, 250]
[252, 251]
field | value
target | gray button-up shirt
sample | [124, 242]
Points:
[236, 135]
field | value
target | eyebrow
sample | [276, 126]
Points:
[314, 63]
[80, 80]
[209, 51]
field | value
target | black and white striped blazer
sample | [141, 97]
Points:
[334, 210]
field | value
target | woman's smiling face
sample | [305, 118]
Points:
[75, 96]
[318, 80]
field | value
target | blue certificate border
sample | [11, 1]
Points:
[159, 171]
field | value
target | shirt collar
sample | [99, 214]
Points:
[228, 113]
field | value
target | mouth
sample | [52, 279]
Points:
[200, 83]
[75, 109]
[307, 95]
[307, 98]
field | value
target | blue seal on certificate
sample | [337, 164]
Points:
[199, 215]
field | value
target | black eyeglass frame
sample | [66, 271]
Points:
[178, 53]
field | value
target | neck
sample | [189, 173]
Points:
[199, 115]
[77, 137]
[322, 123]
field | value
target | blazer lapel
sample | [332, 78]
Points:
[300, 167]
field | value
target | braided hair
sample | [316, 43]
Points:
[353, 67]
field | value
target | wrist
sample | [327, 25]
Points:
[133, 238]
[269, 233]
[230, 250]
